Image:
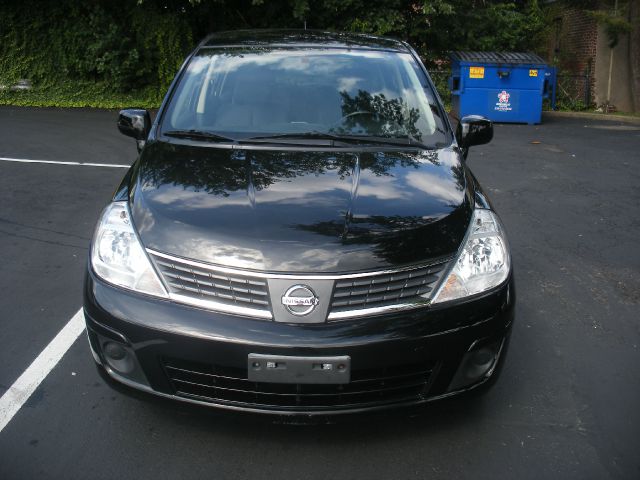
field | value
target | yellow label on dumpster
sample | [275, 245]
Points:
[533, 73]
[476, 72]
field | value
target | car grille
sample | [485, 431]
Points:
[368, 388]
[247, 293]
[217, 287]
[386, 289]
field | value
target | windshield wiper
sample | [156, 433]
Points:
[359, 139]
[404, 140]
[293, 136]
[198, 135]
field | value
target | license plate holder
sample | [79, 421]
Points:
[292, 369]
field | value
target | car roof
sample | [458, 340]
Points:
[303, 39]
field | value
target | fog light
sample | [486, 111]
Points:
[477, 364]
[480, 362]
[118, 357]
[114, 351]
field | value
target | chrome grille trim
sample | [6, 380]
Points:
[204, 286]
[255, 283]
[363, 312]
[293, 276]
[221, 307]
[385, 292]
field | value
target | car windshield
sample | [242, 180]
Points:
[241, 93]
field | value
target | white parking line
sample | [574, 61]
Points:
[55, 162]
[18, 393]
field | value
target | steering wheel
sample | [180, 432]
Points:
[357, 113]
[372, 114]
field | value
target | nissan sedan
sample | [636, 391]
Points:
[300, 235]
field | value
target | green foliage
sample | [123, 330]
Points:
[440, 79]
[126, 52]
[614, 24]
[567, 104]
[79, 53]
[609, 13]
[80, 94]
[435, 27]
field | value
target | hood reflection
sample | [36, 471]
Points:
[291, 211]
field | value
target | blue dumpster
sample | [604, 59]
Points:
[504, 87]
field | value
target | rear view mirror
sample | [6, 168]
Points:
[474, 130]
[136, 123]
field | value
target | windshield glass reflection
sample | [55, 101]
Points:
[248, 92]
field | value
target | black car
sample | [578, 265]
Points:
[300, 234]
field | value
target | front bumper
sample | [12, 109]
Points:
[199, 356]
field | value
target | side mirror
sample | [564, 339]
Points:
[136, 123]
[474, 130]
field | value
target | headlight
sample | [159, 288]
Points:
[483, 262]
[117, 255]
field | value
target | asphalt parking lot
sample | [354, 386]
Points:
[566, 405]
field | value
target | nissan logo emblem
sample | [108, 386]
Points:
[300, 300]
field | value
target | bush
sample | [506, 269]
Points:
[94, 52]
[78, 53]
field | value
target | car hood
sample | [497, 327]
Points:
[300, 211]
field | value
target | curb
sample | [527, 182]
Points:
[593, 116]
